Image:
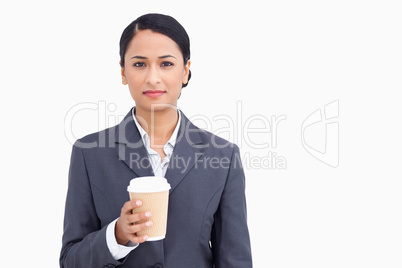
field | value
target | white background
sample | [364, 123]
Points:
[275, 58]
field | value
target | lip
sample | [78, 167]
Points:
[154, 93]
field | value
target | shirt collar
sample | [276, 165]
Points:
[144, 134]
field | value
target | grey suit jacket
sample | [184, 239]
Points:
[207, 224]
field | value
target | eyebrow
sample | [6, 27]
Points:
[144, 58]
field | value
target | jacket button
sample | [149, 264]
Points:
[158, 265]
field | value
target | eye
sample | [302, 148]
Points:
[139, 64]
[166, 64]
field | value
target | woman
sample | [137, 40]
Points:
[207, 224]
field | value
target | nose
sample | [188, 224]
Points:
[153, 76]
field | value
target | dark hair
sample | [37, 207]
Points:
[158, 23]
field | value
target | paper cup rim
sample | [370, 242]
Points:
[156, 238]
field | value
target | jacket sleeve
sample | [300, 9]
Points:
[84, 241]
[230, 237]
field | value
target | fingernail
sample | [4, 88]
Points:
[148, 223]
[145, 237]
[148, 214]
[138, 203]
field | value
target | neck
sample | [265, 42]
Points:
[159, 125]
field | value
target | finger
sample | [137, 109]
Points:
[133, 218]
[133, 229]
[130, 205]
[138, 239]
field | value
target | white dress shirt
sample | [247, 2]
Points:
[159, 167]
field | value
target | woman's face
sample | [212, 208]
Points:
[154, 71]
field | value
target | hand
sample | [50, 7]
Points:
[126, 227]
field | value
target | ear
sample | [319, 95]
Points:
[186, 72]
[123, 75]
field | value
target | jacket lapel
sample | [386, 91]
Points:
[187, 150]
[131, 149]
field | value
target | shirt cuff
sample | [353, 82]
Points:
[117, 251]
